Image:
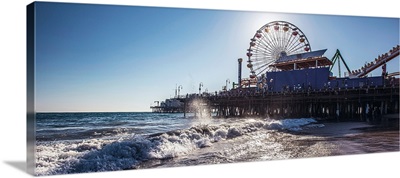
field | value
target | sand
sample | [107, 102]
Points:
[341, 138]
[352, 138]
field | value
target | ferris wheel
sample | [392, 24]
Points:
[272, 41]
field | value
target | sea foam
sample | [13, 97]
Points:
[97, 155]
[290, 124]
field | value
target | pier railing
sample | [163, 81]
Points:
[365, 103]
[379, 61]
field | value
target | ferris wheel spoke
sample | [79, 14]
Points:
[258, 51]
[266, 52]
[292, 43]
[263, 57]
[299, 48]
[288, 41]
[262, 61]
[269, 63]
[263, 70]
[276, 39]
[264, 46]
[260, 43]
[270, 37]
[262, 53]
[266, 61]
[282, 37]
[267, 43]
[259, 67]
[295, 47]
[281, 40]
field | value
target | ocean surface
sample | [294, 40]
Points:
[93, 142]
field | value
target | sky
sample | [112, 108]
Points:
[123, 58]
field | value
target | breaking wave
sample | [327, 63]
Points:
[127, 152]
[290, 124]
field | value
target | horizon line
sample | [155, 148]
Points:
[87, 111]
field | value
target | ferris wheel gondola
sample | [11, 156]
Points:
[273, 41]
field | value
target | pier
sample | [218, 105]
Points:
[288, 80]
[364, 104]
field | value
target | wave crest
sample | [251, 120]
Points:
[126, 153]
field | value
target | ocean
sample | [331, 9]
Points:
[93, 142]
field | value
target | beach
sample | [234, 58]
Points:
[96, 142]
[314, 140]
[356, 137]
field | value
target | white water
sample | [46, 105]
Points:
[241, 140]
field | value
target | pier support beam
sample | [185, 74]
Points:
[349, 104]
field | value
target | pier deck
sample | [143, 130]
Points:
[368, 103]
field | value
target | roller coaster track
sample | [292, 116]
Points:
[393, 74]
[378, 63]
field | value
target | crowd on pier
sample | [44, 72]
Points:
[273, 84]
[376, 61]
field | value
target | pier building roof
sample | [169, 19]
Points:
[302, 60]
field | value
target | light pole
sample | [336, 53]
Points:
[240, 72]
[226, 84]
[176, 89]
[179, 89]
[200, 85]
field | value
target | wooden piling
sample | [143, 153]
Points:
[349, 104]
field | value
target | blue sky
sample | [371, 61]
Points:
[123, 58]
